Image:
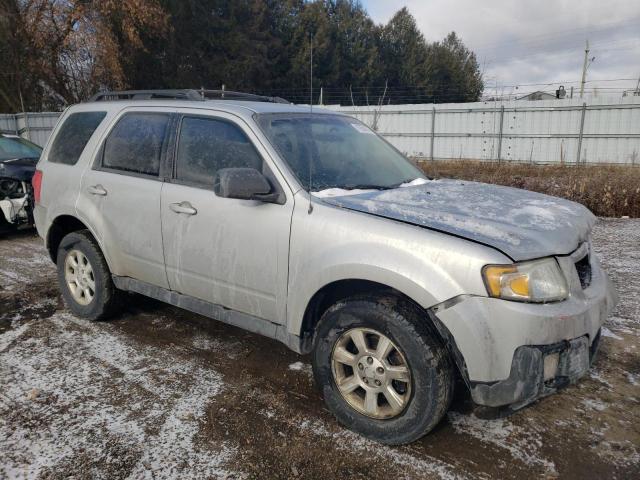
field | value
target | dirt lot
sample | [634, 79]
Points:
[163, 393]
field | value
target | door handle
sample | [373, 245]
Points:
[97, 190]
[183, 207]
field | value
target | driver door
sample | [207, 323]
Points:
[225, 251]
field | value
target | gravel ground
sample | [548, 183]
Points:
[163, 393]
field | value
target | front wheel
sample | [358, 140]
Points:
[382, 371]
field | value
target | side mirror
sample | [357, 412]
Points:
[244, 184]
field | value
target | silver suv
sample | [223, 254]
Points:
[307, 227]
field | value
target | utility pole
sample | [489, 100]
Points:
[584, 68]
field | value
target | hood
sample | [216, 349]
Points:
[519, 223]
[18, 168]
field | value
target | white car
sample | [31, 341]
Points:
[309, 228]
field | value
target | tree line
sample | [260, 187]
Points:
[58, 52]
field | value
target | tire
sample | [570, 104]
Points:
[5, 226]
[104, 301]
[427, 391]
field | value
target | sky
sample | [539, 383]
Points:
[524, 46]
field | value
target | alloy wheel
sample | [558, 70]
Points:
[371, 373]
[78, 273]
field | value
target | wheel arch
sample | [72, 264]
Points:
[338, 290]
[61, 226]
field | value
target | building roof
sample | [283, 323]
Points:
[538, 95]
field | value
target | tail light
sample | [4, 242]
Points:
[36, 181]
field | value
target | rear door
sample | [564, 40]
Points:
[121, 194]
[226, 251]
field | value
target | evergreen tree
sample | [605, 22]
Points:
[454, 73]
[55, 52]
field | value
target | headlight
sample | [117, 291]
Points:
[537, 281]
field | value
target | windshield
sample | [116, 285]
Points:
[15, 147]
[336, 152]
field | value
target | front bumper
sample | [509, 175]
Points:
[527, 380]
[500, 346]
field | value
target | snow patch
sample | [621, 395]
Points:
[522, 444]
[301, 367]
[86, 390]
[416, 182]
[296, 366]
[7, 338]
[592, 404]
[340, 192]
[608, 333]
[425, 467]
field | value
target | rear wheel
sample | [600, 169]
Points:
[84, 277]
[382, 371]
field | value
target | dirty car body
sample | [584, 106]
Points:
[502, 345]
[18, 159]
[502, 280]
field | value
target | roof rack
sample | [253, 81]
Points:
[146, 95]
[184, 94]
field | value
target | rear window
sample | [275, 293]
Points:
[135, 143]
[73, 136]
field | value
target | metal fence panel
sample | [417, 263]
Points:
[548, 131]
[551, 131]
[33, 126]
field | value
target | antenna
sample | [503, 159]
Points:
[311, 73]
[310, 111]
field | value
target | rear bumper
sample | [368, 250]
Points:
[500, 346]
[40, 216]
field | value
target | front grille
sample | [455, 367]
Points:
[583, 267]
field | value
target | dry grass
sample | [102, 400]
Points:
[608, 191]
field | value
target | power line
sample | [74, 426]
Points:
[534, 39]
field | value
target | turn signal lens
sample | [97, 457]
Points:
[536, 281]
[493, 277]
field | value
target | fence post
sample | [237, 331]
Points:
[500, 133]
[26, 125]
[584, 111]
[433, 129]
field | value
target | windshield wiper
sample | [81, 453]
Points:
[364, 186]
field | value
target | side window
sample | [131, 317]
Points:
[73, 136]
[207, 145]
[135, 143]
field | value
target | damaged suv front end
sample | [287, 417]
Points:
[528, 349]
[537, 328]
[18, 159]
